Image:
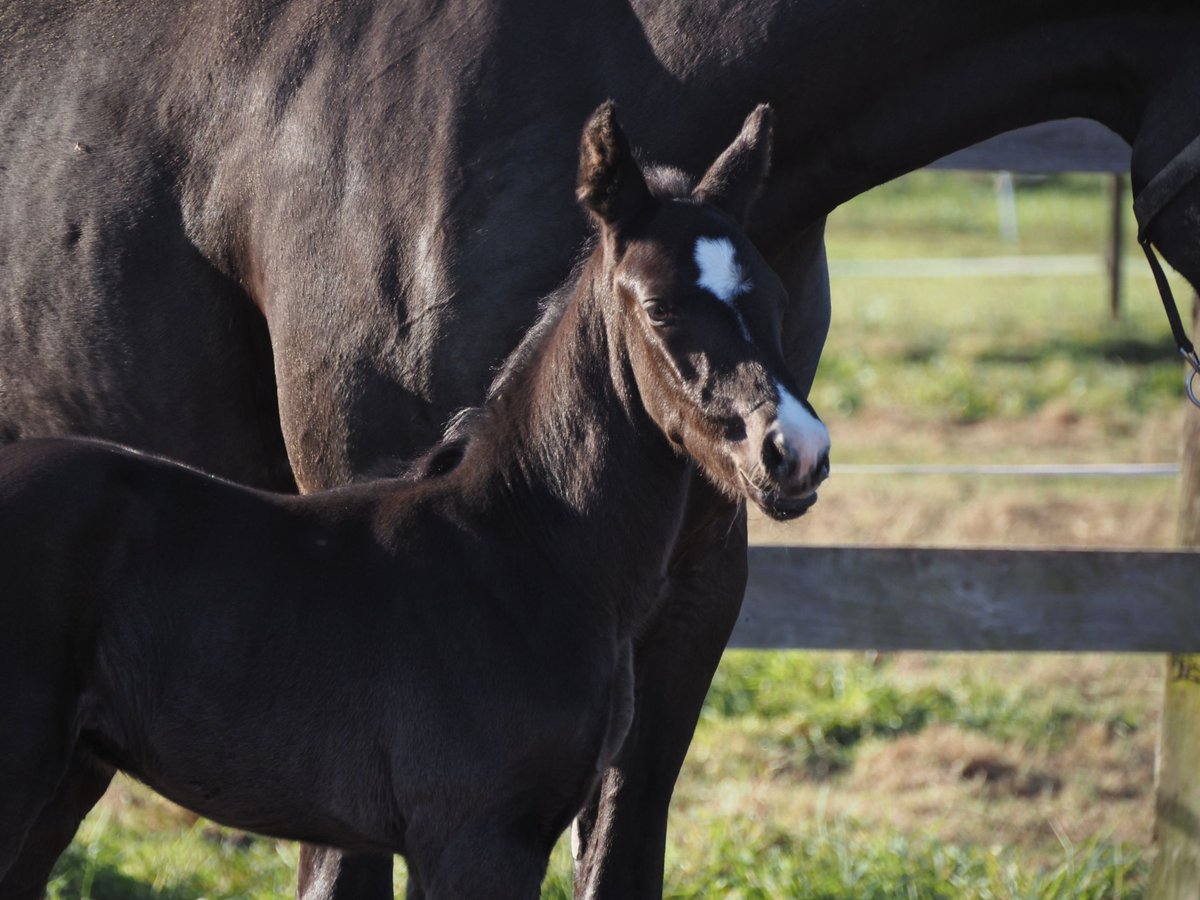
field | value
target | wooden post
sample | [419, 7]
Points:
[1176, 874]
[1115, 242]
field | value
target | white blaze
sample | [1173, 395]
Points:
[803, 431]
[721, 274]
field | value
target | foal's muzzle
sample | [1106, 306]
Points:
[788, 450]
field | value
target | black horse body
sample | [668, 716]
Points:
[284, 241]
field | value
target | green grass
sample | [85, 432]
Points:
[931, 214]
[116, 856]
[845, 862]
[799, 758]
[964, 350]
[815, 709]
[1001, 348]
[744, 859]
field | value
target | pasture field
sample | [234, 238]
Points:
[851, 775]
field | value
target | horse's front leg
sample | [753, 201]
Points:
[619, 839]
[328, 874]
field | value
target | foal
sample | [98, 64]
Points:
[442, 668]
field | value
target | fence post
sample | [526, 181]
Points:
[1176, 874]
[1116, 243]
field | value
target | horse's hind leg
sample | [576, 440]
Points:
[83, 784]
[326, 873]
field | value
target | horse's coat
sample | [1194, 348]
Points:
[441, 667]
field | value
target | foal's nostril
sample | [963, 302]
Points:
[778, 458]
[821, 471]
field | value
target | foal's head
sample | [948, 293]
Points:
[698, 311]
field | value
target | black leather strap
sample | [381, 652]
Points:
[1150, 201]
[1168, 299]
[1163, 187]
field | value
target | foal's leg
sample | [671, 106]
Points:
[81, 787]
[620, 837]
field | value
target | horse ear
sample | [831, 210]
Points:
[611, 185]
[735, 180]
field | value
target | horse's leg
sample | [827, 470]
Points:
[33, 758]
[620, 837]
[329, 874]
[413, 889]
[80, 788]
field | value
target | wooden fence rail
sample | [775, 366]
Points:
[907, 598]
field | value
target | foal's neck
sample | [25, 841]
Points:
[580, 465]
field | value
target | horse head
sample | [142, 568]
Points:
[696, 310]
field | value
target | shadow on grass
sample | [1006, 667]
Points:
[922, 352]
[1128, 349]
[77, 875]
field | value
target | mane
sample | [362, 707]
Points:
[665, 183]
[669, 183]
[462, 427]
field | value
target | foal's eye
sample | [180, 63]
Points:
[659, 311]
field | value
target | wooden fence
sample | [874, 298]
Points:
[904, 598]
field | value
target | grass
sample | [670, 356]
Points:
[116, 855]
[931, 214]
[851, 775]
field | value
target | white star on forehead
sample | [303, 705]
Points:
[721, 274]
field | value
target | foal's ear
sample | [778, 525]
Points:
[735, 180]
[611, 185]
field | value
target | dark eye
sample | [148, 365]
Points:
[659, 311]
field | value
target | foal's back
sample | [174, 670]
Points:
[98, 532]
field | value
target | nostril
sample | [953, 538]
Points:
[822, 468]
[777, 456]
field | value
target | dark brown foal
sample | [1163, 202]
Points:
[439, 667]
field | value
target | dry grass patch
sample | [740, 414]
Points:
[968, 787]
[982, 511]
[952, 785]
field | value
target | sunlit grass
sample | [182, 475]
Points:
[939, 214]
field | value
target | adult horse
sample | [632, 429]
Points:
[274, 239]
